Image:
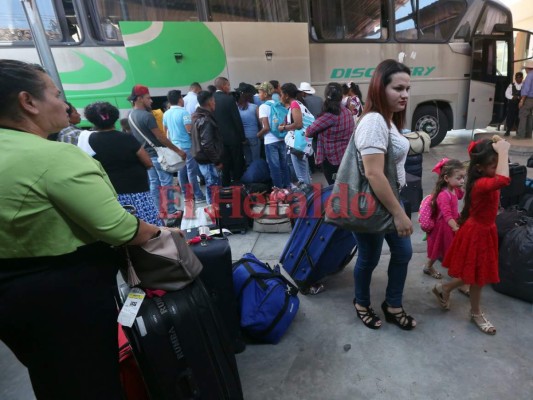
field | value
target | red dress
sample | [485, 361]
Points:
[473, 255]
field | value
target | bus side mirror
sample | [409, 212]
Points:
[502, 28]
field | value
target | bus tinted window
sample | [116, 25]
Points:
[109, 13]
[256, 10]
[348, 19]
[432, 21]
[14, 26]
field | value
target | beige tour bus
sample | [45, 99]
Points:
[462, 53]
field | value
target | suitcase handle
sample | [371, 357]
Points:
[291, 289]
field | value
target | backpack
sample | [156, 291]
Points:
[427, 223]
[277, 115]
[268, 302]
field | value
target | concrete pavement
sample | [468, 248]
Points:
[445, 357]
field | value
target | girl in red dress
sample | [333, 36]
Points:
[444, 206]
[473, 256]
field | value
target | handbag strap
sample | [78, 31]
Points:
[390, 166]
[130, 119]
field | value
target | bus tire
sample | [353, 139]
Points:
[432, 120]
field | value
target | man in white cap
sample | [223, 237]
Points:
[313, 103]
[526, 101]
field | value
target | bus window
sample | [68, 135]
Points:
[69, 23]
[258, 10]
[491, 16]
[348, 20]
[432, 21]
[233, 10]
[14, 26]
[109, 13]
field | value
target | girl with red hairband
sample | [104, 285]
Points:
[473, 256]
[444, 211]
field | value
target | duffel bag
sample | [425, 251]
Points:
[516, 263]
[268, 302]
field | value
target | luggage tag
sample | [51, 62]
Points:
[131, 307]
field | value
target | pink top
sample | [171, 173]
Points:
[441, 236]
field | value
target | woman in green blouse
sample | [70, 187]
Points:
[58, 217]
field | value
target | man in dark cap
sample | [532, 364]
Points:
[513, 97]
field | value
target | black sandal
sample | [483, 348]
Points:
[400, 318]
[368, 317]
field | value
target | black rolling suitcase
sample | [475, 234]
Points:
[217, 276]
[510, 195]
[231, 208]
[182, 347]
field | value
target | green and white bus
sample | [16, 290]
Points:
[460, 51]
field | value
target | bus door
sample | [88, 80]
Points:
[488, 80]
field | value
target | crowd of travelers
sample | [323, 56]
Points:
[233, 130]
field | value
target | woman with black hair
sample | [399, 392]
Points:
[333, 128]
[123, 158]
[298, 112]
[59, 219]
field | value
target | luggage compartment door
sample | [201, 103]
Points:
[262, 51]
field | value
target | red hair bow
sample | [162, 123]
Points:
[438, 167]
[472, 145]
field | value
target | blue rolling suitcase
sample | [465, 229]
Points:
[316, 249]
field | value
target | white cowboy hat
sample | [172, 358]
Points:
[307, 88]
[528, 64]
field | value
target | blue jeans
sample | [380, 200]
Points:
[161, 180]
[369, 249]
[212, 178]
[292, 174]
[252, 150]
[189, 175]
[276, 156]
[301, 168]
